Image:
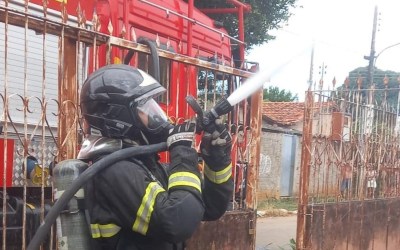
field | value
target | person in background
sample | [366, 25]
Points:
[346, 174]
[370, 176]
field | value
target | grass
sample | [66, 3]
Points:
[273, 207]
[290, 246]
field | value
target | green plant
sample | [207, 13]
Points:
[292, 245]
[289, 204]
[275, 94]
[276, 207]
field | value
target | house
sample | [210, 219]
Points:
[281, 137]
[287, 115]
[280, 149]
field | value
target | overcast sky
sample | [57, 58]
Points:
[341, 31]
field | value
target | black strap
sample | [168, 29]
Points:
[92, 243]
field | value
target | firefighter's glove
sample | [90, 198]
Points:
[182, 134]
[216, 146]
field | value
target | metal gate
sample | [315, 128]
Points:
[349, 184]
[41, 70]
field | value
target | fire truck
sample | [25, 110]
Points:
[47, 49]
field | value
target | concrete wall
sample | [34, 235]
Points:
[270, 167]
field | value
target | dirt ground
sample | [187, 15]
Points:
[274, 233]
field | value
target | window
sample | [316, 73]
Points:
[211, 87]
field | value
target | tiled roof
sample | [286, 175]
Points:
[284, 113]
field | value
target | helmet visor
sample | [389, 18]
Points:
[151, 114]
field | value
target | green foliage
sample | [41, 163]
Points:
[292, 244]
[289, 204]
[378, 80]
[264, 16]
[274, 94]
[211, 87]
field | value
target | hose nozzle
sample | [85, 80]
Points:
[204, 119]
[221, 108]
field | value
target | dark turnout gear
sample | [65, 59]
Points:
[216, 149]
[138, 203]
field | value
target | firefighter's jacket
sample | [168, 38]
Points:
[142, 205]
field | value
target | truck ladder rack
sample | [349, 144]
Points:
[41, 24]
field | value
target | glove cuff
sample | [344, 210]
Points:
[180, 139]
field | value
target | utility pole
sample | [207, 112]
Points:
[371, 57]
[322, 72]
[310, 80]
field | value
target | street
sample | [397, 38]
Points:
[274, 233]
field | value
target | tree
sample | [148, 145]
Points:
[361, 74]
[265, 15]
[274, 94]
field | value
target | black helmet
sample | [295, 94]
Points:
[117, 102]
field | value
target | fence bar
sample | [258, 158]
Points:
[301, 239]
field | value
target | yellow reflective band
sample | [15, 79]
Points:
[184, 179]
[105, 231]
[141, 224]
[220, 176]
[31, 206]
[61, 1]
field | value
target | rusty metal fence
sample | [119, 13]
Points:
[45, 57]
[350, 179]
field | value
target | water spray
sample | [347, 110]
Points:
[250, 86]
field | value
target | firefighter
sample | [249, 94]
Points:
[139, 203]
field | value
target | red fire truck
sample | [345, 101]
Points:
[178, 44]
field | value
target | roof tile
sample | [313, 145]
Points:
[284, 113]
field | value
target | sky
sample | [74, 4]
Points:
[340, 32]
